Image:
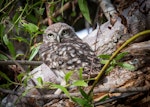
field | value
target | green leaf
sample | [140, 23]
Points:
[15, 17]
[85, 95]
[121, 55]
[39, 11]
[32, 28]
[25, 92]
[2, 29]
[34, 51]
[68, 75]
[11, 49]
[82, 102]
[63, 89]
[127, 66]
[5, 39]
[20, 76]
[109, 69]
[52, 7]
[103, 61]
[73, 14]
[80, 73]
[37, 34]
[3, 75]
[58, 19]
[21, 39]
[32, 18]
[113, 62]
[26, 79]
[6, 86]
[16, 20]
[104, 56]
[40, 81]
[3, 57]
[84, 9]
[9, 44]
[80, 83]
[19, 55]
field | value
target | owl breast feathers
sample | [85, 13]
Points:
[63, 51]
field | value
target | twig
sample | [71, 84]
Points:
[58, 12]
[123, 90]
[6, 5]
[65, 7]
[21, 62]
[13, 61]
[79, 17]
[10, 92]
[98, 77]
[47, 13]
[61, 96]
[18, 18]
[107, 8]
[96, 17]
[114, 98]
[20, 68]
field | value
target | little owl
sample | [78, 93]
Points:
[63, 51]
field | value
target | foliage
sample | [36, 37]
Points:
[85, 100]
[9, 44]
[116, 61]
[21, 22]
[102, 71]
[21, 28]
[84, 9]
[3, 57]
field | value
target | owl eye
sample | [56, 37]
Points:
[50, 35]
[64, 32]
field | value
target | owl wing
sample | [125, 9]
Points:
[70, 55]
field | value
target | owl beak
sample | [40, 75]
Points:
[58, 38]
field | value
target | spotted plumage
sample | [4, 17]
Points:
[63, 51]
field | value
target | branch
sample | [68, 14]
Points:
[114, 98]
[65, 7]
[102, 71]
[7, 5]
[123, 90]
[21, 62]
[107, 8]
[47, 13]
[61, 96]
[58, 12]
[9, 57]
[15, 62]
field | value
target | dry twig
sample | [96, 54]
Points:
[21, 62]
[61, 96]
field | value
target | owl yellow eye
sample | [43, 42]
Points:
[64, 32]
[50, 35]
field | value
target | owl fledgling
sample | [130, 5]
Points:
[63, 51]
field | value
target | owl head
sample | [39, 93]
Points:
[58, 32]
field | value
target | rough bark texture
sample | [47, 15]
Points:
[108, 37]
